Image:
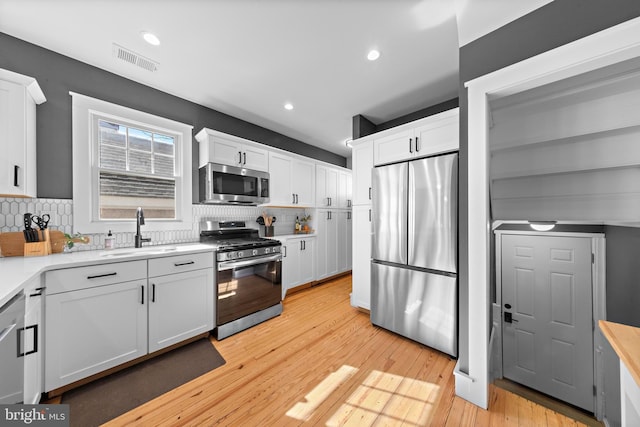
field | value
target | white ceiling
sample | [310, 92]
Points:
[247, 58]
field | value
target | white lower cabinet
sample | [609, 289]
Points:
[334, 242]
[297, 262]
[181, 306]
[32, 339]
[101, 316]
[361, 279]
[94, 329]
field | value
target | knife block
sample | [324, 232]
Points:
[43, 247]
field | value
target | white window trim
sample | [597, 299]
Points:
[85, 110]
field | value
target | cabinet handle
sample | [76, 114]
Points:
[297, 199]
[153, 292]
[300, 244]
[304, 245]
[101, 275]
[38, 291]
[244, 158]
[180, 264]
[35, 340]
[293, 198]
[410, 148]
[240, 157]
[369, 193]
[284, 255]
[142, 299]
[417, 145]
[16, 170]
[348, 215]
[369, 215]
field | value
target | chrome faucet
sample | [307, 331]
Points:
[140, 221]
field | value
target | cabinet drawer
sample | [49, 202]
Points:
[180, 263]
[71, 279]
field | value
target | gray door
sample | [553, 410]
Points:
[547, 290]
[432, 212]
[389, 241]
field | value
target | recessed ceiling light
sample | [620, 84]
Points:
[373, 55]
[288, 106]
[150, 38]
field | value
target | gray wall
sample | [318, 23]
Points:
[58, 74]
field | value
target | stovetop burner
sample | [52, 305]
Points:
[234, 240]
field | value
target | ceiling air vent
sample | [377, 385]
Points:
[131, 57]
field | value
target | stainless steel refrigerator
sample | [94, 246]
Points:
[414, 287]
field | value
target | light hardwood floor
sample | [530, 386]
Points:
[322, 363]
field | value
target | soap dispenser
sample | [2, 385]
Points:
[109, 241]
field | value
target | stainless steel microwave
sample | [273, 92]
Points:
[233, 185]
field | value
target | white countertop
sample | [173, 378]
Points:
[15, 272]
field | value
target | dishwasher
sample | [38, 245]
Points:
[11, 355]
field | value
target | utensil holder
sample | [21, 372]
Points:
[268, 231]
[43, 247]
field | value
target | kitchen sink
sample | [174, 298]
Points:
[138, 251]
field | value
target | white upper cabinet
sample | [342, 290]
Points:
[362, 162]
[425, 137]
[333, 187]
[292, 181]
[218, 147]
[303, 182]
[19, 96]
[344, 190]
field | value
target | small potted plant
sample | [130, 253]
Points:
[303, 221]
[70, 240]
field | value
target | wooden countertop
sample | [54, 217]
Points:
[625, 340]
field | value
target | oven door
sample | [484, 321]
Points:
[247, 286]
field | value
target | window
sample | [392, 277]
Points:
[134, 159]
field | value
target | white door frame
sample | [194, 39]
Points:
[607, 47]
[599, 307]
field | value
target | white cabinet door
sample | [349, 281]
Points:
[343, 241]
[306, 264]
[91, 330]
[181, 306]
[290, 261]
[226, 151]
[32, 339]
[303, 182]
[280, 167]
[361, 271]
[439, 135]
[255, 158]
[18, 98]
[326, 186]
[297, 262]
[327, 254]
[362, 163]
[393, 148]
[218, 147]
[344, 189]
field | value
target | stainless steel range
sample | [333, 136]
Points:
[249, 271]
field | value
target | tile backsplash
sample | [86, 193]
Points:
[61, 212]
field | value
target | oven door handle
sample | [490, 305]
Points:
[229, 265]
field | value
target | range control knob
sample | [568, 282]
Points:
[267, 250]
